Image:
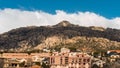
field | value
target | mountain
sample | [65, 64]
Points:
[64, 34]
[65, 24]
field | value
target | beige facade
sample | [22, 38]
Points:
[14, 59]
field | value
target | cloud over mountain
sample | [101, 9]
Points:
[15, 18]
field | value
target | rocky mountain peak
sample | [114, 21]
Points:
[64, 23]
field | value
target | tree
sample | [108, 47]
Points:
[22, 64]
[1, 63]
[95, 66]
[45, 65]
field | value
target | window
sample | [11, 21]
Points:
[83, 63]
[79, 60]
[66, 60]
[61, 60]
[84, 60]
[88, 60]
[82, 55]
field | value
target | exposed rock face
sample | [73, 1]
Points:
[97, 28]
[89, 44]
[49, 42]
[65, 24]
[63, 33]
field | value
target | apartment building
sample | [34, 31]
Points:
[70, 60]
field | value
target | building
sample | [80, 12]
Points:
[70, 60]
[16, 55]
[113, 55]
[16, 59]
[64, 59]
[117, 51]
[65, 50]
[37, 57]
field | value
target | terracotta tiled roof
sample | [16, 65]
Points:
[36, 66]
[118, 51]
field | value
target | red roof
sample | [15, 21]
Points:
[118, 51]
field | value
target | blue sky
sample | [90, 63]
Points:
[22, 13]
[107, 8]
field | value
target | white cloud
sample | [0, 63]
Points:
[15, 18]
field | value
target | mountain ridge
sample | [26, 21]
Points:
[30, 37]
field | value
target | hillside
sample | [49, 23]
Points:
[31, 37]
